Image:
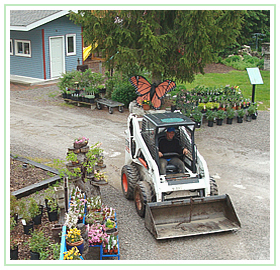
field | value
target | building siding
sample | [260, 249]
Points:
[33, 66]
[28, 66]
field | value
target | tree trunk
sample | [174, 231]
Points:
[156, 77]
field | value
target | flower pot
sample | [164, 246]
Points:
[37, 219]
[80, 145]
[28, 228]
[53, 216]
[79, 245]
[56, 232]
[197, 124]
[254, 116]
[219, 122]
[34, 255]
[248, 118]
[14, 253]
[229, 121]
[113, 231]
[239, 119]
[146, 107]
[210, 123]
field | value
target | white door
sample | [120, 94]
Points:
[56, 56]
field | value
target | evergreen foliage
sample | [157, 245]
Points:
[169, 43]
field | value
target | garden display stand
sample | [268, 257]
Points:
[79, 103]
[102, 254]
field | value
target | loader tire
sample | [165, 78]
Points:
[129, 177]
[213, 187]
[142, 196]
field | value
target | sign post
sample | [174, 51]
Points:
[255, 78]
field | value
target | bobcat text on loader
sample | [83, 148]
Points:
[175, 204]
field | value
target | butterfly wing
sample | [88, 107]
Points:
[141, 85]
[160, 92]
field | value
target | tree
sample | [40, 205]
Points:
[174, 44]
[257, 21]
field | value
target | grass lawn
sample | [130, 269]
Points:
[241, 79]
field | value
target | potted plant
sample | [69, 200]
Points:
[230, 113]
[197, 117]
[202, 107]
[252, 111]
[26, 217]
[96, 234]
[221, 115]
[109, 212]
[13, 242]
[240, 115]
[110, 244]
[110, 227]
[52, 208]
[94, 204]
[38, 245]
[72, 157]
[35, 211]
[99, 176]
[146, 104]
[80, 142]
[71, 219]
[72, 254]
[14, 207]
[101, 88]
[74, 239]
[210, 116]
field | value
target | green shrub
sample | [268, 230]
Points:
[234, 58]
[67, 80]
[248, 61]
[86, 79]
[124, 92]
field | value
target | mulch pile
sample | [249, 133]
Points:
[23, 174]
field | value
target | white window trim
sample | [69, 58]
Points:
[11, 47]
[74, 45]
[16, 47]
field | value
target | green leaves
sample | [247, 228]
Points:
[173, 44]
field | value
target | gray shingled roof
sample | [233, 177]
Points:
[27, 17]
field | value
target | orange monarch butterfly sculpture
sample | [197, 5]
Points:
[151, 92]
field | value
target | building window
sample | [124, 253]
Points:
[11, 47]
[23, 48]
[71, 44]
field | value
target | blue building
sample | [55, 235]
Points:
[43, 43]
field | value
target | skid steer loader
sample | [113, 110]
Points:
[174, 204]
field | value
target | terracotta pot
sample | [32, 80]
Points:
[146, 107]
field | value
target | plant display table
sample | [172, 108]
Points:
[110, 104]
[111, 240]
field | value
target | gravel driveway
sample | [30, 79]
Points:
[42, 126]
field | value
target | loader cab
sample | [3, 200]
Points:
[154, 128]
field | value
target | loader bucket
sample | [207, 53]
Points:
[189, 217]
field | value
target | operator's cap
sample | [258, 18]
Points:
[170, 129]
